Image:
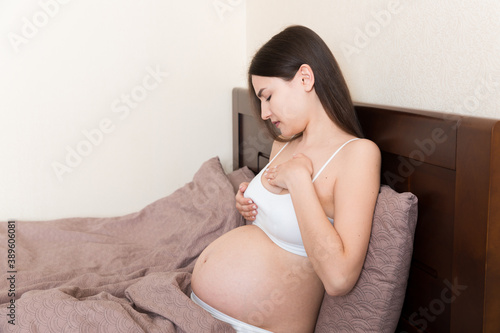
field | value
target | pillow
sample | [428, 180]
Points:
[374, 304]
[166, 234]
[239, 176]
[122, 274]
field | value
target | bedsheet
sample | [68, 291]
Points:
[119, 274]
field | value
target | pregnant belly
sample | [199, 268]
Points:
[246, 276]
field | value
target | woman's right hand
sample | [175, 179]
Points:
[246, 206]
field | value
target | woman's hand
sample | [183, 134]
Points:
[246, 207]
[280, 175]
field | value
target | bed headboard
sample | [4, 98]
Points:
[452, 164]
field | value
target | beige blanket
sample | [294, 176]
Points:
[122, 274]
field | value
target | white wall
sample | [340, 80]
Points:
[72, 74]
[436, 55]
[67, 67]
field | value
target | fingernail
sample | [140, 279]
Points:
[250, 202]
[254, 207]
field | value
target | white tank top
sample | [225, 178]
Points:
[276, 214]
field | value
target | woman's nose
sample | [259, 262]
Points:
[265, 111]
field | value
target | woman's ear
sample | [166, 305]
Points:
[306, 76]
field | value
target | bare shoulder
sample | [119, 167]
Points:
[360, 162]
[358, 182]
[277, 146]
[363, 151]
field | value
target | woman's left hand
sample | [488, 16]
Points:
[280, 175]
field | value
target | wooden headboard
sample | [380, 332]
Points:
[452, 164]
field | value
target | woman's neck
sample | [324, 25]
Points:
[321, 130]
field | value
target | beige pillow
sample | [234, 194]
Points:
[374, 304]
[239, 176]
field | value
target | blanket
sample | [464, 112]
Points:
[120, 274]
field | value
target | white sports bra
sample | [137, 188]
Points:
[276, 216]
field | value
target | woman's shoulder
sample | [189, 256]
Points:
[365, 146]
[360, 151]
[363, 152]
[277, 146]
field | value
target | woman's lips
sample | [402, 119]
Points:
[276, 123]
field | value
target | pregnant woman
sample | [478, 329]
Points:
[311, 206]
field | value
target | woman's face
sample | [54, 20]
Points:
[282, 102]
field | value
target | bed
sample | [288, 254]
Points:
[451, 163]
[132, 273]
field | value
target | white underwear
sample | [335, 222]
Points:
[238, 325]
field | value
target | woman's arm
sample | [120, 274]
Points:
[337, 253]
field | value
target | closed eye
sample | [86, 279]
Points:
[269, 98]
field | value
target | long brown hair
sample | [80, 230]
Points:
[282, 57]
